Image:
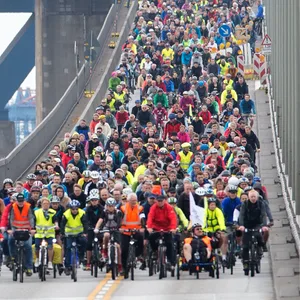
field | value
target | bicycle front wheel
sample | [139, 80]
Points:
[113, 263]
[162, 263]
[21, 265]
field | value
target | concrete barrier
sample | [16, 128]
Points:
[18, 161]
[101, 90]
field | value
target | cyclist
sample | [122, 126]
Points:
[214, 220]
[247, 107]
[21, 218]
[228, 206]
[252, 216]
[162, 217]
[198, 242]
[182, 221]
[45, 217]
[94, 212]
[74, 223]
[133, 218]
[111, 221]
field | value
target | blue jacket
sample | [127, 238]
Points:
[228, 207]
[260, 12]
[186, 58]
[83, 130]
[169, 86]
[80, 165]
[219, 40]
[247, 107]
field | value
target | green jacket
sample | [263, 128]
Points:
[162, 99]
[183, 222]
[113, 82]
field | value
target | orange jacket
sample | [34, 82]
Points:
[21, 219]
[205, 239]
[131, 219]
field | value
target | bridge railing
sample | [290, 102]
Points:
[21, 158]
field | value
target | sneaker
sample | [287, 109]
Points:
[36, 263]
[50, 265]
[28, 272]
[87, 267]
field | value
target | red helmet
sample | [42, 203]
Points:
[221, 195]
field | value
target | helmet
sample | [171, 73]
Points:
[31, 176]
[74, 204]
[225, 173]
[94, 174]
[14, 196]
[201, 83]
[35, 188]
[209, 191]
[7, 180]
[243, 180]
[11, 190]
[247, 189]
[86, 173]
[127, 191]
[195, 185]
[99, 149]
[55, 199]
[234, 181]
[200, 192]
[195, 226]
[211, 200]
[38, 183]
[101, 184]
[225, 179]
[94, 194]
[89, 162]
[172, 200]
[111, 202]
[207, 186]
[163, 151]
[256, 178]
[232, 188]
[221, 195]
[185, 145]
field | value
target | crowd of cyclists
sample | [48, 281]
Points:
[189, 134]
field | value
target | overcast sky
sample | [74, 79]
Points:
[10, 25]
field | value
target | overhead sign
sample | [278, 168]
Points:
[266, 45]
[224, 30]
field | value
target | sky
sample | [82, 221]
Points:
[10, 25]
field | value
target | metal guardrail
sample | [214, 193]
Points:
[18, 161]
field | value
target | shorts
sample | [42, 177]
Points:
[48, 240]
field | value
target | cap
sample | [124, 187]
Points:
[204, 147]
[102, 117]
[160, 197]
[53, 152]
[94, 136]
[99, 108]
[213, 151]
[150, 195]
[20, 197]
[172, 116]
[138, 101]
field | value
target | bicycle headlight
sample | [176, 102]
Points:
[95, 239]
[197, 256]
[131, 242]
[54, 241]
[74, 244]
[44, 243]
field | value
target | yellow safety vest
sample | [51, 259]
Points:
[185, 159]
[211, 222]
[42, 223]
[74, 225]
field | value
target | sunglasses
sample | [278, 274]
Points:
[74, 208]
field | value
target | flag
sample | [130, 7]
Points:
[196, 212]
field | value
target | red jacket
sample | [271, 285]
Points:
[65, 160]
[206, 116]
[27, 186]
[162, 218]
[122, 117]
[4, 218]
[171, 128]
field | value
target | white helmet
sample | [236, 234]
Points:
[94, 194]
[127, 191]
[233, 181]
[207, 186]
[94, 175]
[200, 192]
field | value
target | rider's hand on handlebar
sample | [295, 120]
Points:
[32, 232]
[265, 228]
[96, 230]
[150, 230]
[173, 231]
[242, 228]
[9, 232]
[271, 223]
[142, 230]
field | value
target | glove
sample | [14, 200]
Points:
[96, 230]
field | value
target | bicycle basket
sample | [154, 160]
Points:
[21, 235]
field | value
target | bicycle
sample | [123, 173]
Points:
[254, 262]
[131, 260]
[1, 254]
[96, 259]
[20, 236]
[74, 255]
[112, 262]
[232, 245]
[43, 254]
[151, 261]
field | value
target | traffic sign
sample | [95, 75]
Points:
[266, 44]
[225, 30]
